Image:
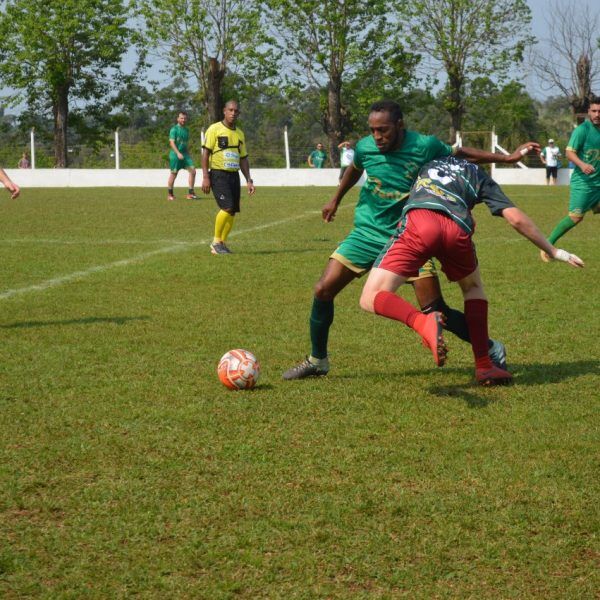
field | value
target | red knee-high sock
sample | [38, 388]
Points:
[387, 304]
[476, 315]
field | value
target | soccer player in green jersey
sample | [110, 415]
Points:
[391, 157]
[437, 221]
[179, 157]
[583, 150]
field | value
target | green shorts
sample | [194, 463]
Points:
[358, 252]
[175, 165]
[580, 201]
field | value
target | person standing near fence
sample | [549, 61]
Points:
[224, 153]
[12, 187]
[317, 158]
[583, 150]
[179, 157]
[24, 162]
[550, 156]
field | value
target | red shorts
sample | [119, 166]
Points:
[424, 234]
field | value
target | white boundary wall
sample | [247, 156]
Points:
[79, 178]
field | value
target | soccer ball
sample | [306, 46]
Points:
[238, 369]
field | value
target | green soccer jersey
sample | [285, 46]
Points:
[390, 176]
[180, 135]
[585, 142]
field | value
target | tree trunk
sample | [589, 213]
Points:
[214, 100]
[60, 108]
[580, 102]
[334, 118]
[455, 104]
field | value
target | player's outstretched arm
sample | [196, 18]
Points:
[10, 185]
[351, 177]
[475, 155]
[527, 228]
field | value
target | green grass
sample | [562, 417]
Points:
[127, 469]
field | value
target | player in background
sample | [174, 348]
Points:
[550, 156]
[583, 150]
[437, 222]
[12, 187]
[391, 156]
[224, 153]
[179, 157]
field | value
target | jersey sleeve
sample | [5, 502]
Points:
[576, 140]
[492, 195]
[172, 133]
[209, 139]
[243, 148]
[436, 148]
[357, 160]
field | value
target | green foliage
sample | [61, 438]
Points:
[128, 471]
[54, 52]
[467, 40]
[190, 34]
[344, 50]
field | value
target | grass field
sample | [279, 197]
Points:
[128, 470]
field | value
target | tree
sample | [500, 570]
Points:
[330, 43]
[52, 52]
[210, 39]
[467, 39]
[508, 109]
[569, 59]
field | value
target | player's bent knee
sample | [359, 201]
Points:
[367, 301]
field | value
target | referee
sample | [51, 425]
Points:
[223, 155]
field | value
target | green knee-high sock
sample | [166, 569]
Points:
[561, 228]
[321, 318]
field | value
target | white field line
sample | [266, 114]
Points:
[175, 247]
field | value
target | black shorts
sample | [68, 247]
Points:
[551, 172]
[225, 187]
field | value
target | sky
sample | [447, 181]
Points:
[539, 9]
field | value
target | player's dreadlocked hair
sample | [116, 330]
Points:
[389, 106]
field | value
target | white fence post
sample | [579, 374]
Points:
[287, 148]
[32, 147]
[493, 150]
[117, 150]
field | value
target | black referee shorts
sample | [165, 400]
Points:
[225, 186]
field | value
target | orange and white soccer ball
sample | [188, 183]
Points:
[239, 369]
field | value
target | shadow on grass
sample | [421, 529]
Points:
[84, 321]
[524, 375]
[282, 251]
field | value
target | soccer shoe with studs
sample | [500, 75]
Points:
[493, 376]
[432, 332]
[170, 197]
[191, 197]
[497, 354]
[304, 369]
[219, 248]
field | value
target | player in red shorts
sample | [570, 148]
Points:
[437, 222]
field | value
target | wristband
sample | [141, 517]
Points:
[524, 151]
[562, 255]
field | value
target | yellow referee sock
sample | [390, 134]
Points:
[227, 227]
[223, 224]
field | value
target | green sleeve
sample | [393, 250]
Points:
[173, 133]
[576, 140]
